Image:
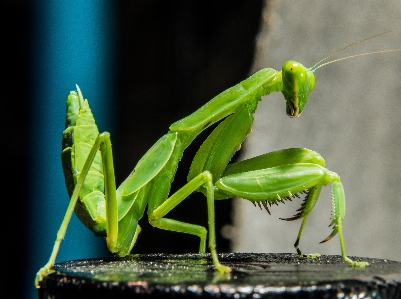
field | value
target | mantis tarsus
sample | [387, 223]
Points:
[263, 180]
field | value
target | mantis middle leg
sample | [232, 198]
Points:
[157, 220]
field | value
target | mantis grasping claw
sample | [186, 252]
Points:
[270, 178]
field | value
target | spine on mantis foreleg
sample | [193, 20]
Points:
[78, 138]
[337, 208]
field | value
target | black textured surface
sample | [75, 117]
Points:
[192, 276]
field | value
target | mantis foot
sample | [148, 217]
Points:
[46, 270]
[311, 255]
[308, 256]
[352, 263]
[223, 269]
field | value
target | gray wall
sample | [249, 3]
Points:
[353, 119]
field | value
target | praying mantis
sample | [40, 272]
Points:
[271, 178]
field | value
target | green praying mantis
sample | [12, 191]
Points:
[114, 213]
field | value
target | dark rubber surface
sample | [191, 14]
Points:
[255, 275]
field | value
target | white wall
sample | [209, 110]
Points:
[353, 119]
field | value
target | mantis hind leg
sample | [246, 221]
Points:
[102, 141]
[156, 217]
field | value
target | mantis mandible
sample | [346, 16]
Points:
[114, 213]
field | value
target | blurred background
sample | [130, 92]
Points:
[145, 64]
[352, 118]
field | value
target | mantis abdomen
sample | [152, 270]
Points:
[78, 138]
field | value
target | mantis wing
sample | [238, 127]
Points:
[218, 149]
[150, 164]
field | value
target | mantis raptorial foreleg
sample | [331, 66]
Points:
[264, 180]
[270, 178]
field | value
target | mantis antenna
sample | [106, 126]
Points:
[317, 66]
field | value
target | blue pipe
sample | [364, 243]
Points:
[73, 43]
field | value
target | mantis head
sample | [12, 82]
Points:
[298, 82]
